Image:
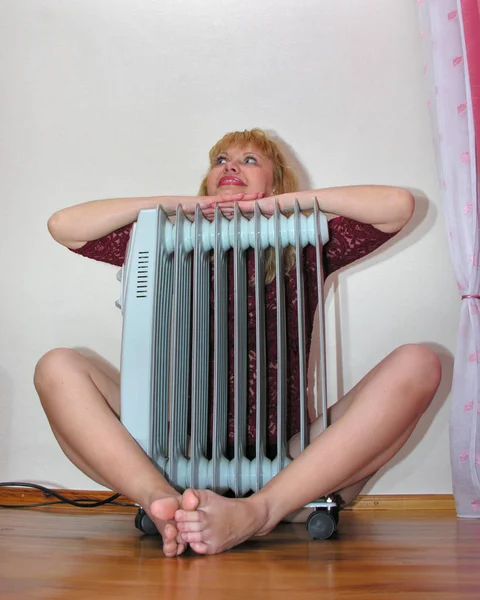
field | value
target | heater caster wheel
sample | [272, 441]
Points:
[321, 524]
[145, 524]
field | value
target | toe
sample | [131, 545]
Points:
[199, 547]
[190, 500]
[190, 516]
[170, 532]
[181, 544]
[181, 548]
[187, 526]
[170, 548]
[192, 536]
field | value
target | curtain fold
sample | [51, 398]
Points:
[471, 26]
[449, 30]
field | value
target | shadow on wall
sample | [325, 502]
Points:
[423, 219]
[424, 424]
[304, 181]
[6, 403]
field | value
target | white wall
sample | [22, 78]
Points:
[125, 97]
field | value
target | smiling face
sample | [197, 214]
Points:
[240, 169]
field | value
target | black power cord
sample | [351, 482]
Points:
[79, 503]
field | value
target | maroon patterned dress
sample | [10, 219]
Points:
[349, 241]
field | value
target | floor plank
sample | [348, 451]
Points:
[77, 554]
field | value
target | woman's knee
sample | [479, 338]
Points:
[52, 367]
[420, 366]
[68, 372]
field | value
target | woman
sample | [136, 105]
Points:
[369, 425]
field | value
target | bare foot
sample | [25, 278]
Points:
[211, 523]
[162, 513]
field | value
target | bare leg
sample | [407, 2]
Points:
[82, 404]
[347, 491]
[381, 415]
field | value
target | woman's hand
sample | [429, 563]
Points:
[226, 203]
[286, 203]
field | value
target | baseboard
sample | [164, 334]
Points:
[399, 502]
[404, 502]
[25, 496]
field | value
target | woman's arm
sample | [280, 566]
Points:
[386, 208]
[76, 225]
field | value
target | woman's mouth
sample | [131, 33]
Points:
[229, 180]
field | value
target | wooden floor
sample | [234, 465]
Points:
[73, 554]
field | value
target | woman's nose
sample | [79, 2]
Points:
[231, 165]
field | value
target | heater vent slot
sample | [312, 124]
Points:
[142, 273]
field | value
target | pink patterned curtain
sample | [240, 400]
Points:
[451, 36]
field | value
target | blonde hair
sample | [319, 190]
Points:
[284, 179]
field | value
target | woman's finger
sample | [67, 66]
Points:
[250, 197]
[228, 198]
[246, 206]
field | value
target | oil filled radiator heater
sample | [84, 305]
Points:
[172, 401]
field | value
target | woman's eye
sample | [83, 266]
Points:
[250, 159]
[220, 160]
